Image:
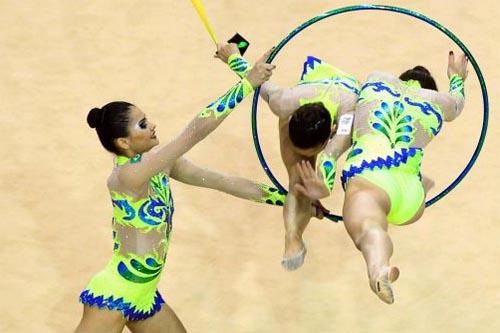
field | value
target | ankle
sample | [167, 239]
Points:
[293, 236]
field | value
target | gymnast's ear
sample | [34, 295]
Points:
[122, 144]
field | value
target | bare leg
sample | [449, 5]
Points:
[164, 321]
[428, 184]
[97, 320]
[296, 213]
[365, 218]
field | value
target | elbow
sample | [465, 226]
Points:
[452, 116]
[456, 112]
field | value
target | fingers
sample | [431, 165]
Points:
[319, 213]
[306, 171]
[300, 189]
[464, 60]
[266, 55]
[266, 68]
[224, 50]
[269, 67]
[310, 169]
[318, 210]
[318, 204]
[451, 59]
[301, 171]
[260, 73]
[267, 74]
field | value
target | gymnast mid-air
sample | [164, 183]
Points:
[384, 122]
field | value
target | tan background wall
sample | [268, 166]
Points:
[60, 58]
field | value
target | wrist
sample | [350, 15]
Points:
[457, 85]
[455, 77]
[247, 85]
[238, 64]
[233, 56]
[271, 195]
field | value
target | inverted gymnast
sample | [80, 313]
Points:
[395, 119]
[308, 116]
[125, 292]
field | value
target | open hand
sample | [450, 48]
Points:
[261, 71]
[312, 185]
[457, 65]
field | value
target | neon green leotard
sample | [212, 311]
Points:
[386, 153]
[325, 76]
[141, 234]
[319, 73]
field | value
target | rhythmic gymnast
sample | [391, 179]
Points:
[125, 292]
[308, 117]
[395, 119]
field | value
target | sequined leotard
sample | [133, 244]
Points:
[395, 120]
[141, 234]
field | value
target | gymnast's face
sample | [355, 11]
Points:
[142, 135]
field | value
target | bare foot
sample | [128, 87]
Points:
[295, 252]
[294, 262]
[381, 284]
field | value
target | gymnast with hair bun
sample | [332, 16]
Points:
[125, 292]
[396, 118]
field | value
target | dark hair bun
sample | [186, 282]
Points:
[422, 69]
[94, 117]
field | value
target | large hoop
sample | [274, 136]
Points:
[400, 10]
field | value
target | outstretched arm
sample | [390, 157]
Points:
[187, 172]
[135, 175]
[282, 101]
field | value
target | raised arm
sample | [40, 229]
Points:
[163, 158]
[187, 172]
[452, 103]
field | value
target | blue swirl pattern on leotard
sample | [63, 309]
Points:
[427, 109]
[380, 86]
[136, 272]
[123, 205]
[154, 211]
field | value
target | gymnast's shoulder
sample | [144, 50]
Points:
[378, 75]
